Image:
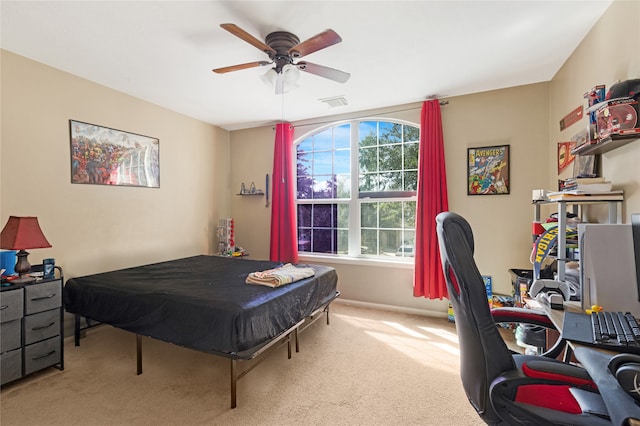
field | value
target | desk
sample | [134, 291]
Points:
[622, 407]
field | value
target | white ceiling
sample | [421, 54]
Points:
[396, 51]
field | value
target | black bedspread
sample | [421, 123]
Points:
[200, 302]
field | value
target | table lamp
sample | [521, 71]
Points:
[22, 233]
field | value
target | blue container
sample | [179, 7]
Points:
[8, 262]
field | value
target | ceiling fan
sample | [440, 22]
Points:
[284, 48]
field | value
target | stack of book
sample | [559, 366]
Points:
[594, 184]
[585, 189]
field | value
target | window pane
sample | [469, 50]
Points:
[391, 215]
[368, 131]
[303, 165]
[368, 159]
[409, 214]
[410, 181]
[305, 145]
[411, 133]
[323, 215]
[323, 187]
[369, 241]
[304, 190]
[389, 132]
[343, 215]
[343, 188]
[343, 241]
[322, 163]
[369, 182]
[304, 215]
[322, 140]
[304, 239]
[323, 241]
[342, 136]
[342, 161]
[409, 238]
[391, 157]
[391, 181]
[369, 215]
[411, 155]
[390, 241]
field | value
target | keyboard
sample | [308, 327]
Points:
[615, 331]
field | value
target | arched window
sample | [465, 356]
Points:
[356, 189]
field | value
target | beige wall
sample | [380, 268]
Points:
[97, 228]
[516, 116]
[609, 53]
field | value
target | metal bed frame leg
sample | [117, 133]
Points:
[234, 381]
[76, 330]
[138, 354]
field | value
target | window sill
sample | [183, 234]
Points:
[359, 261]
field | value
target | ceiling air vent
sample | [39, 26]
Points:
[335, 101]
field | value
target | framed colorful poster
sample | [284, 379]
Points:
[488, 170]
[104, 156]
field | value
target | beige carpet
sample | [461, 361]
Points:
[367, 367]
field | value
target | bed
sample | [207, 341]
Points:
[203, 303]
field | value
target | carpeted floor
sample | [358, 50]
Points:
[368, 367]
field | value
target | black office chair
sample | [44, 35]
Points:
[504, 387]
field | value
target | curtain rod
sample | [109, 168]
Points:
[442, 103]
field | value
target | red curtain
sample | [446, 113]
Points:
[428, 279]
[284, 244]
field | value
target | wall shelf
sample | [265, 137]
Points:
[251, 193]
[605, 145]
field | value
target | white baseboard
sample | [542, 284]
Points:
[392, 308]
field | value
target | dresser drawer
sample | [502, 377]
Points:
[42, 354]
[10, 366]
[10, 333]
[41, 326]
[42, 297]
[11, 305]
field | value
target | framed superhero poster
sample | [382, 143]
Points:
[488, 170]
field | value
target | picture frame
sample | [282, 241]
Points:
[488, 170]
[105, 156]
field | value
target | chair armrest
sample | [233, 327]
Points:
[524, 315]
[530, 316]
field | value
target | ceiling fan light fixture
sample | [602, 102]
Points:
[269, 78]
[283, 82]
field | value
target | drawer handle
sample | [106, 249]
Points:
[48, 296]
[35, 358]
[3, 307]
[42, 327]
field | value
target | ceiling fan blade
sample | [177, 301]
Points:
[241, 67]
[240, 33]
[319, 41]
[322, 71]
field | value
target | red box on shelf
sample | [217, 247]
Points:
[618, 117]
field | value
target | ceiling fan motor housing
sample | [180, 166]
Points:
[281, 42]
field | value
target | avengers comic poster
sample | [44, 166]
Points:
[488, 170]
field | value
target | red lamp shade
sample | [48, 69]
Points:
[21, 233]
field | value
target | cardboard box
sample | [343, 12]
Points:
[618, 118]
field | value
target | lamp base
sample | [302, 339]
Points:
[22, 268]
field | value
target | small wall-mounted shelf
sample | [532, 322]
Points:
[259, 192]
[605, 145]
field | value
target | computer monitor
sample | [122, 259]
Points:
[608, 260]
